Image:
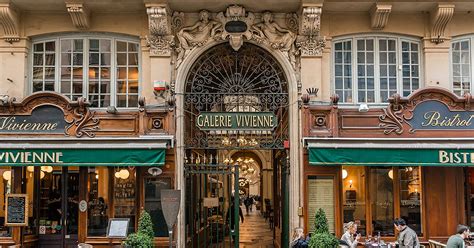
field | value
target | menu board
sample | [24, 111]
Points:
[321, 195]
[118, 228]
[16, 210]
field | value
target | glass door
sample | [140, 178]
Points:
[58, 203]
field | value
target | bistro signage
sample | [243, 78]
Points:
[43, 119]
[435, 115]
[236, 121]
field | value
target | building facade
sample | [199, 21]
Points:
[360, 108]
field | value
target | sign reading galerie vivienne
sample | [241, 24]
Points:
[43, 119]
[236, 121]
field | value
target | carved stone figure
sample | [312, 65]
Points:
[197, 34]
[277, 37]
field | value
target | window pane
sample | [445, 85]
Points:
[5, 188]
[29, 172]
[125, 195]
[461, 67]
[121, 46]
[50, 46]
[98, 184]
[93, 45]
[353, 197]
[381, 200]
[38, 59]
[50, 199]
[410, 197]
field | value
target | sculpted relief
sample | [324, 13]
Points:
[207, 29]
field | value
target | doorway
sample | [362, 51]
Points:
[235, 103]
[58, 206]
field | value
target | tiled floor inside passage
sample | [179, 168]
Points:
[255, 231]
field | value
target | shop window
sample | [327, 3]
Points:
[381, 200]
[51, 195]
[153, 187]
[98, 209]
[410, 197]
[104, 70]
[365, 68]
[379, 187]
[461, 66]
[354, 195]
[30, 175]
[321, 195]
[125, 195]
[5, 188]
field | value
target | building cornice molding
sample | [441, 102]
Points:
[80, 15]
[440, 17]
[10, 22]
[379, 14]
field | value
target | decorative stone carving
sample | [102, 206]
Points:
[84, 120]
[160, 39]
[292, 22]
[79, 15]
[197, 35]
[177, 21]
[10, 22]
[277, 37]
[440, 17]
[379, 14]
[309, 42]
[236, 14]
[237, 25]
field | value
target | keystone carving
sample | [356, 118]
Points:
[160, 39]
[236, 13]
[379, 14]
[79, 15]
[10, 22]
[440, 18]
[309, 42]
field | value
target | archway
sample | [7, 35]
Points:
[231, 100]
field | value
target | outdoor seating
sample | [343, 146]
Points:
[436, 244]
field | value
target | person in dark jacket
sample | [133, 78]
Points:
[407, 238]
[231, 214]
[457, 240]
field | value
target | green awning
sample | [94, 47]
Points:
[82, 157]
[391, 157]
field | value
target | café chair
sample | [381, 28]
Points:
[435, 244]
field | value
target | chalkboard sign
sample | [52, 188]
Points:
[16, 213]
[118, 228]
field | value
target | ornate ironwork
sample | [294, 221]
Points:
[223, 80]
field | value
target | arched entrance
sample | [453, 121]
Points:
[233, 102]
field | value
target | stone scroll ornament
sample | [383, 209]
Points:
[236, 25]
[82, 121]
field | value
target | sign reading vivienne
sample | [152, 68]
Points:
[43, 119]
[236, 121]
[435, 115]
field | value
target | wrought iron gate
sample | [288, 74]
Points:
[248, 81]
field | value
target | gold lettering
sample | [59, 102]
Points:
[432, 117]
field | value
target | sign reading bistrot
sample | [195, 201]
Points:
[43, 119]
[435, 115]
[236, 121]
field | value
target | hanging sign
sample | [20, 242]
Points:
[435, 115]
[170, 201]
[43, 119]
[236, 121]
[16, 213]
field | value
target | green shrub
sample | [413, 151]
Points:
[143, 238]
[138, 240]
[321, 237]
[145, 225]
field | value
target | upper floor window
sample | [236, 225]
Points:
[369, 69]
[461, 66]
[105, 70]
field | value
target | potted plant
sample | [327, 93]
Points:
[143, 238]
[321, 236]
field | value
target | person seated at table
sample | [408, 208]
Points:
[457, 240]
[350, 230]
[407, 238]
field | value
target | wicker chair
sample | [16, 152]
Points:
[436, 244]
